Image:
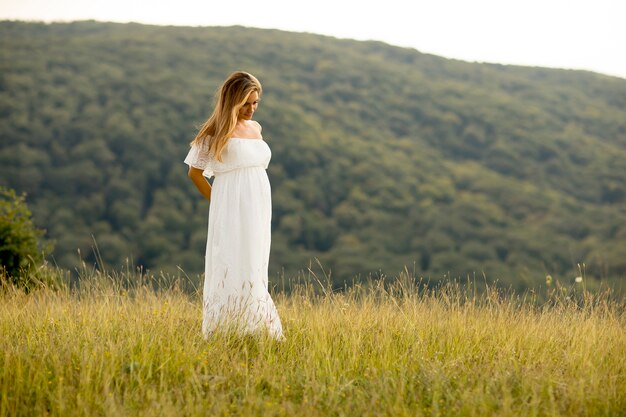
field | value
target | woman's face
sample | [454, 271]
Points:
[249, 107]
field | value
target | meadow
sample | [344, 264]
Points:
[129, 344]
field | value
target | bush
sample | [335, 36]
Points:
[21, 244]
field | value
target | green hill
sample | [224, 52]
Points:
[382, 156]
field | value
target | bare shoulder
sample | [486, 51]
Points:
[258, 125]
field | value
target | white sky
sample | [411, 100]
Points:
[577, 34]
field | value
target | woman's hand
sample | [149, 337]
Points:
[200, 182]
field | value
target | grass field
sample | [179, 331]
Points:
[398, 349]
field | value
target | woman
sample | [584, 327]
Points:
[230, 147]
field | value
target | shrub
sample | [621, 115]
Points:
[21, 243]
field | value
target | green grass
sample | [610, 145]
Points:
[396, 349]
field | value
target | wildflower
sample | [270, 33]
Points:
[578, 279]
[548, 280]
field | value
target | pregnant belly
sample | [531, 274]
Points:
[242, 182]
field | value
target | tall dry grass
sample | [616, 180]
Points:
[382, 348]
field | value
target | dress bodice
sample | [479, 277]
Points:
[238, 153]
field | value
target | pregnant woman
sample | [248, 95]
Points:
[230, 147]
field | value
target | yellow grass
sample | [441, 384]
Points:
[394, 350]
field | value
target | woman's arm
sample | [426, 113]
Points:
[201, 183]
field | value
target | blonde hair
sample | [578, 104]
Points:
[231, 96]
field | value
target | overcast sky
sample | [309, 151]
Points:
[577, 34]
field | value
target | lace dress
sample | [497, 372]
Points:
[238, 241]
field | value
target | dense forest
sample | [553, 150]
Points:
[382, 157]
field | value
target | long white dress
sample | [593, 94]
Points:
[238, 240]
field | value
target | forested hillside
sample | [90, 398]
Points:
[382, 156]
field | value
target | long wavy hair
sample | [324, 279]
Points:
[231, 96]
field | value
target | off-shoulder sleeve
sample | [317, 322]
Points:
[199, 157]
